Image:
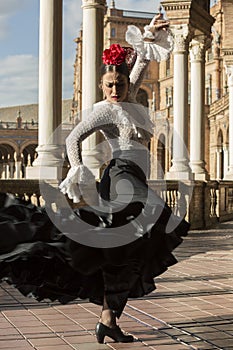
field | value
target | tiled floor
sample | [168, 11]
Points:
[192, 307]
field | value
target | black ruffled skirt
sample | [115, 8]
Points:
[126, 246]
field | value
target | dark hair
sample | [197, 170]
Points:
[122, 69]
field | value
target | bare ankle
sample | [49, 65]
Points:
[108, 318]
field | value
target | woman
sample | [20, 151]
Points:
[111, 249]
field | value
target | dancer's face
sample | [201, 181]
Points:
[115, 87]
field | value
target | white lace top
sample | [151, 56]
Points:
[126, 126]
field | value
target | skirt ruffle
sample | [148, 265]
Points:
[42, 262]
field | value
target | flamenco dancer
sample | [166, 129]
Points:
[113, 249]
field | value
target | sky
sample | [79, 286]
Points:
[19, 42]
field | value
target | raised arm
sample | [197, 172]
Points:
[155, 44]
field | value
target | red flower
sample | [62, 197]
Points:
[115, 55]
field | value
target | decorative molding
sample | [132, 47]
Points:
[177, 7]
[94, 4]
[181, 37]
[197, 51]
[227, 52]
[198, 47]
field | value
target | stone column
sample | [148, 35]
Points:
[48, 164]
[11, 164]
[217, 60]
[197, 112]
[180, 169]
[229, 71]
[93, 29]
[225, 159]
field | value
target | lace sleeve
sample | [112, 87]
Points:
[99, 119]
[136, 77]
[152, 45]
[79, 174]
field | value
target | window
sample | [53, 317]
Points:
[169, 97]
[113, 32]
[168, 65]
[208, 89]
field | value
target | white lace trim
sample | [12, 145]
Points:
[159, 46]
[76, 175]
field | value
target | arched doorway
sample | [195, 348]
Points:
[7, 161]
[161, 157]
[28, 155]
[142, 97]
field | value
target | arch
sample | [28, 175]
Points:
[28, 150]
[146, 88]
[142, 97]
[7, 151]
[9, 143]
[27, 143]
[220, 138]
[161, 157]
[7, 161]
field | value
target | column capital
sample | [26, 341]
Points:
[197, 48]
[181, 35]
[229, 72]
[94, 4]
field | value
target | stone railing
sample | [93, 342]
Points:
[225, 207]
[24, 189]
[203, 204]
[219, 105]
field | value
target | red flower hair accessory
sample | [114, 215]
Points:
[115, 55]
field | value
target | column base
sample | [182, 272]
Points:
[180, 170]
[201, 176]
[49, 165]
[199, 171]
[179, 175]
[44, 172]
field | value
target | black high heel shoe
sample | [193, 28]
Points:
[115, 333]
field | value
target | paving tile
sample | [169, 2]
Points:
[92, 346]
[33, 330]
[80, 339]
[6, 332]
[65, 329]
[47, 341]
[13, 344]
[192, 307]
[48, 347]
[135, 345]
[26, 347]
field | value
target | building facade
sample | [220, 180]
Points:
[157, 88]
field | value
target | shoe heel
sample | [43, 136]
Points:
[100, 334]
[100, 340]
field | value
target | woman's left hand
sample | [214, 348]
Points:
[159, 23]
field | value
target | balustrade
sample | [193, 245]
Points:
[203, 204]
